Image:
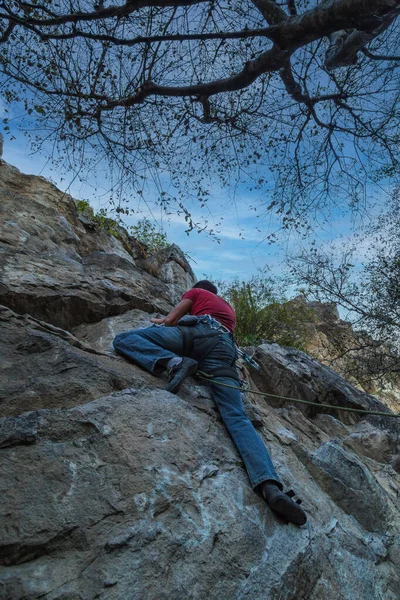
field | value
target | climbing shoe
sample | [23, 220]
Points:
[283, 504]
[178, 373]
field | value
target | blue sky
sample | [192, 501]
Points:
[242, 249]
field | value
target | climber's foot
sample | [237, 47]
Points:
[178, 373]
[282, 504]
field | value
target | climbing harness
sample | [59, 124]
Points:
[198, 345]
[209, 377]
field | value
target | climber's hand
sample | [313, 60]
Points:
[158, 321]
[176, 313]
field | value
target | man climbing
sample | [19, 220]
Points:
[198, 334]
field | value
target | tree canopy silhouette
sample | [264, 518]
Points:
[302, 93]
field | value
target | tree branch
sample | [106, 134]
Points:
[271, 12]
[378, 57]
[141, 39]
[292, 7]
[293, 88]
[344, 46]
[102, 13]
[268, 61]
[331, 17]
[7, 32]
[289, 33]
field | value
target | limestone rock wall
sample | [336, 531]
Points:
[113, 488]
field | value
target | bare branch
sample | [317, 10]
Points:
[7, 32]
[378, 57]
[345, 46]
[233, 85]
[141, 39]
[288, 32]
[292, 7]
[268, 61]
[293, 88]
[102, 13]
[330, 17]
[271, 12]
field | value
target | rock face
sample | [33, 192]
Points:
[46, 367]
[113, 488]
[297, 374]
[58, 270]
[353, 354]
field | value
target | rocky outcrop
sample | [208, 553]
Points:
[67, 272]
[113, 488]
[141, 494]
[43, 366]
[289, 372]
[354, 354]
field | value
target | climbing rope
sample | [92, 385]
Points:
[207, 377]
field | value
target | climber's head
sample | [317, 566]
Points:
[204, 284]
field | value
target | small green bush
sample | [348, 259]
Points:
[100, 219]
[144, 231]
[84, 207]
[147, 234]
[106, 223]
[263, 313]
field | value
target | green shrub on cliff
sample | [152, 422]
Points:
[263, 313]
[83, 207]
[147, 234]
[101, 219]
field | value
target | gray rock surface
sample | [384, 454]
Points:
[292, 373]
[100, 335]
[58, 270]
[42, 366]
[113, 488]
[141, 495]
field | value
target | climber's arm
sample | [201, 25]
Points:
[176, 313]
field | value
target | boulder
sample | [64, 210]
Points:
[42, 366]
[287, 372]
[100, 335]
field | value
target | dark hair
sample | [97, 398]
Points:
[204, 284]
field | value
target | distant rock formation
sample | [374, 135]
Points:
[353, 354]
[113, 488]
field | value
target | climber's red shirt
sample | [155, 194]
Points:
[207, 303]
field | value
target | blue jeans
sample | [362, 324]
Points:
[153, 347]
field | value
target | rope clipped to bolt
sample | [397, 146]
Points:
[208, 378]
